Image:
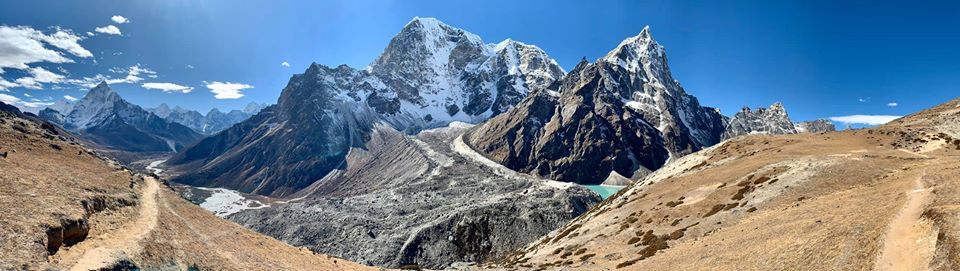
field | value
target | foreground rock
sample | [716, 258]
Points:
[426, 201]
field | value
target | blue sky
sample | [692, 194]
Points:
[820, 58]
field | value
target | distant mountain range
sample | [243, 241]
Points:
[212, 122]
[106, 119]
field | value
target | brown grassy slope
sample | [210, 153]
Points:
[809, 201]
[60, 204]
[45, 184]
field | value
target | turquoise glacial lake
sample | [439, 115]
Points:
[605, 191]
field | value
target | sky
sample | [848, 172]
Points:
[855, 61]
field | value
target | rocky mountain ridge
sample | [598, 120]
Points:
[771, 120]
[623, 114]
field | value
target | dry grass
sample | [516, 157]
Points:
[809, 201]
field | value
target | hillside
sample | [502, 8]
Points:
[66, 208]
[881, 198]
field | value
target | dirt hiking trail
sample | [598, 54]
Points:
[910, 241]
[124, 241]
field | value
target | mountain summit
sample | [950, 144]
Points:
[429, 75]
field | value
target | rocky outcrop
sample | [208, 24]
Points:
[419, 201]
[105, 119]
[429, 75]
[815, 126]
[772, 120]
[624, 114]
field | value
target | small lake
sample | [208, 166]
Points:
[605, 191]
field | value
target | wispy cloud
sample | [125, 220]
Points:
[119, 19]
[70, 98]
[285, 64]
[167, 87]
[109, 30]
[864, 119]
[134, 74]
[892, 104]
[227, 90]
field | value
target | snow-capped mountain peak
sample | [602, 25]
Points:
[163, 110]
[520, 58]
[638, 52]
[93, 108]
[425, 59]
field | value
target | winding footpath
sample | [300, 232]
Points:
[910, 242]
[125, 241]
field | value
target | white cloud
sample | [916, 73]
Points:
[892, 104]
[31, 106]
[863, 100]
[227, 90]
[864, 119]
[66, 40]
[109, 30]
[22, 45]
[119, 19]
[167, 87]
[70, 98]
[4, 84]
[27, 95]
[7, 99]
[38, 76]
[189, 67]
[91, 34]
[285, 64]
